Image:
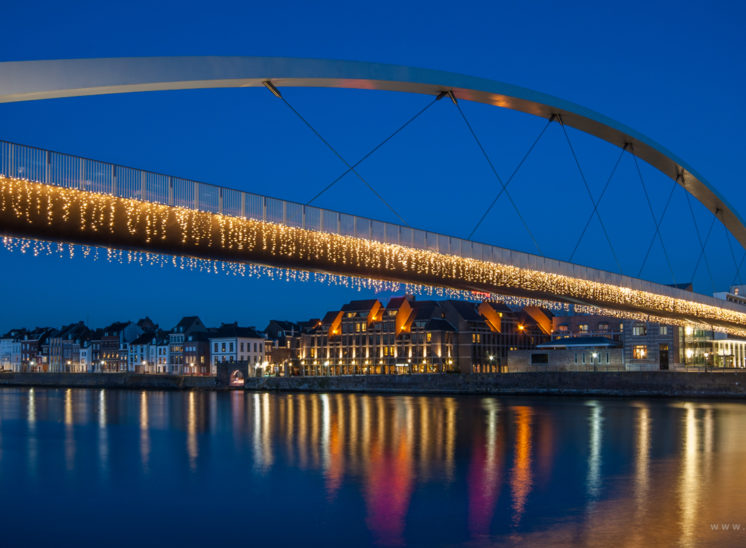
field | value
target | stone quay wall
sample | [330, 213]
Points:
[632, 384]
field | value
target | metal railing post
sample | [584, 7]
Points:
[114, 188]
[81, 182]
[171, 191]
[142, 186]
[196, 195]
[243, 204]
[303, 216]
[220, 200]
[46, 166]
[264, 208]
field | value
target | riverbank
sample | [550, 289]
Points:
[108, 380]
[632, 384]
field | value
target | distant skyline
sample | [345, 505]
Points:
[671, 71]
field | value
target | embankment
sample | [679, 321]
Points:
[633, 384]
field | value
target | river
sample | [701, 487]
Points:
[85, 467]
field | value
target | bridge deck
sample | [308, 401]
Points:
[540, 277]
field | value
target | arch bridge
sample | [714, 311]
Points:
[53, 196]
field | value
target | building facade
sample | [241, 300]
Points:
[231, 343]
[411, 336]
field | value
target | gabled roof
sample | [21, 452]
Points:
[199, 336]
[359, 306]
[329, 318]
[439, 324]
[188, 323]
[115, 328]
[72, 331]
[396, 302]
[145, 338]
[233, 330]
[426, 309]
[283, 324]
[15, 333]
[467, 310]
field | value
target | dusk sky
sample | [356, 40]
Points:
[673, 71]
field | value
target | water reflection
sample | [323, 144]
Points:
[593, 481]
[395, 469]
[521, 476]
[144, 431]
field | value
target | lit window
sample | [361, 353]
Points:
[429, 337]
[639, 352]
[639, 330]
[603, 326]
[664, 330]
[583, 328]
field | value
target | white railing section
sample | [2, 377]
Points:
[65, 170]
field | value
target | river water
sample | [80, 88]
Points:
[123, 468]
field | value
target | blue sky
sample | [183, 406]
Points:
[672, 70]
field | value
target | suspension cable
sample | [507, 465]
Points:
[494, 171]
[732, 253]
[660, 222]
[701, 243]
[590, 194]
[379, 145]
[597, 202]
[512, 175]
[656, 222]
[277, 94]
[736, 278]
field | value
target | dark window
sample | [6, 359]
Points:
[539, 359]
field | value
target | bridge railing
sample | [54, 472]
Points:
[70, 171]
[65, 170]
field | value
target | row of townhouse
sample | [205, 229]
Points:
[138, 347]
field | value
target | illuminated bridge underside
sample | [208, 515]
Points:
[48, 212]
[34, 80]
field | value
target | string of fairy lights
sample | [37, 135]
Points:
[182, 237]
[40, 248]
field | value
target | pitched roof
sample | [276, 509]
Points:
[199, 336]
[187, 323]
[233, 330]
[283, 324]
[426, 309]
[359, 306]
[15, 333]
[467, 310]
[396, 302]
[115, 328]
[439, 324]
[145, 338]
[329, 317]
